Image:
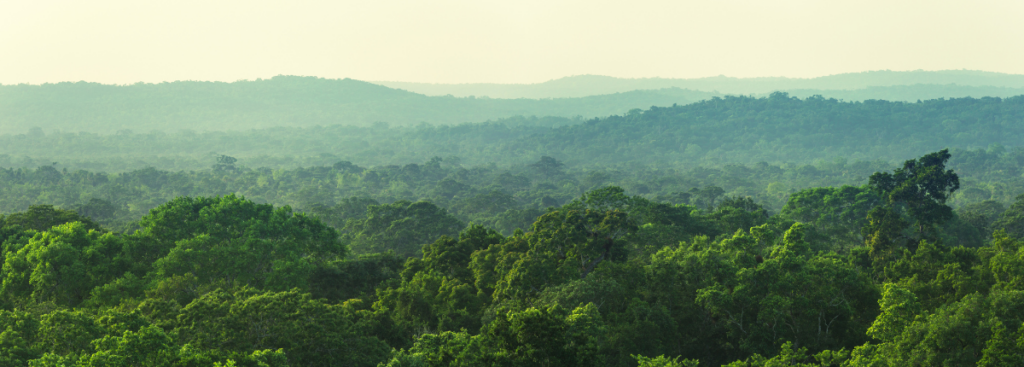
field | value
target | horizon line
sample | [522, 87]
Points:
[377, 82]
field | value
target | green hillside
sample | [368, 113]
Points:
[586, 85]
[281, 101]
[289, 101]
[778, 129]
[739, 231]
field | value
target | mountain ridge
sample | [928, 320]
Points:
[584, 85]
[293, 101]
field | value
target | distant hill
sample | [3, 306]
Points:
[288, 101]
[777, 129]
[910, 93]
[586, 85]
[292, 101]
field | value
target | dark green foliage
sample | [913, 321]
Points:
[1012, 220]
[358, 277]
[236, 241]
[41, 217]
[883, 274]
[401, 227]
[913, 205]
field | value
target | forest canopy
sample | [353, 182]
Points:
[734, 231]
[882, 273]
[778, 129]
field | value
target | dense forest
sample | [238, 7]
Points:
[768, 230]
[282, 101]
[778, 129]
[307, 102]
[503, 197]
[883, 272]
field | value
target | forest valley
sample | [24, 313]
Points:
[530, 266]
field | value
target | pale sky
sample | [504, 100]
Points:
[511, 41]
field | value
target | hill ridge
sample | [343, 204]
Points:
[589, 84]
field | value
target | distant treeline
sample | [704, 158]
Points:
[291, 101]
[778, 129]
[281, 101]
[868, 84]
[502, 197]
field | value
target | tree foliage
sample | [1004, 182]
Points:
[884, 274]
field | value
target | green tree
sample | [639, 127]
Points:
[234, 240]
[311, 332]
[402, 227]
[1012, 220]
[63, 264]
[838, 213]
[813, 301]
[914, 203]
[42, 217]
[548, 166]
[438, 292]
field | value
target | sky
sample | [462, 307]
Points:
[522, 41]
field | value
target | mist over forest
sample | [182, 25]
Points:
[292, 101]
[950, 83]
[861, 219]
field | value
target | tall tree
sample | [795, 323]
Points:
[914, 203]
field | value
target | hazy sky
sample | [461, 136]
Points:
[520, 41]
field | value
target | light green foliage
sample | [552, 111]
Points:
[958, 333]
[62, 264]
[67, 332]
[236, 241]
[19, 330]
[456, 349]
[788, 357]
[937, 274]
[662, 361]
[838, 213]
[814, 301]
[150, 346]
[585, 331]
[529, 337]
[1003, 349]
[898, 309]
[544, 337]
[310, 331]
[1007, 261]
